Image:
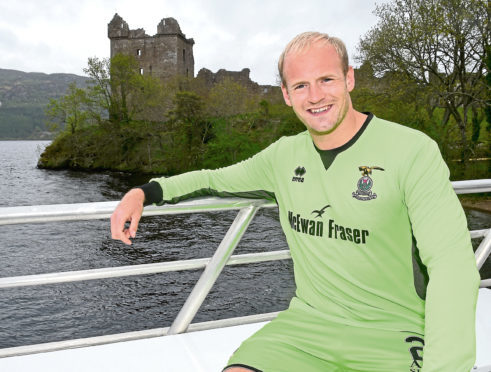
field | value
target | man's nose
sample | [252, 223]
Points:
[316, 94]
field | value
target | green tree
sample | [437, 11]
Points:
[189, 127]
[488, 80]
[439, 45]
[68, 112]
[99, 89]
[404, 101]
[118, 89]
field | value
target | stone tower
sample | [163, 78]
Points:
[164, 55]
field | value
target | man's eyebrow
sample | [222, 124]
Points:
[329, 75]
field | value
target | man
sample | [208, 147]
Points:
[368, 212]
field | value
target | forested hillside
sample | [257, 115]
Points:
[23, 99]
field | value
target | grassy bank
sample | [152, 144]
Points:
[170, 147]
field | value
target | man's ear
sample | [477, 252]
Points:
[286, 97]
[350, 79]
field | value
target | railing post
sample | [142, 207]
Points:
[213, 270]
[483, 251]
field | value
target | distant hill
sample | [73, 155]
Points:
[23, 98]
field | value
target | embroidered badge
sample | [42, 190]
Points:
[365, 184]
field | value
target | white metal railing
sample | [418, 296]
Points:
[212, 266]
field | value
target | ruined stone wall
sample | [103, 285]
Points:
[164, 55]
[242, 77]
[211, 78]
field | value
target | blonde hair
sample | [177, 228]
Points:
[306, 39]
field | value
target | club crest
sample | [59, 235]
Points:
[365, 184]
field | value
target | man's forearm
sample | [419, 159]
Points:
[450, 316]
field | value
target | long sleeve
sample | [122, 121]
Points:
[440, 229]
[251, 178]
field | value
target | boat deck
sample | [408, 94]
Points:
[201, 351]
[184, 346]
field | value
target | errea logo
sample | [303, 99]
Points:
[299, 172]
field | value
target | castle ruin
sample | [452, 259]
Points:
[164, 55]
[169, 53]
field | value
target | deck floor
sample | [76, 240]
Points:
[203, 351]
[200, 351]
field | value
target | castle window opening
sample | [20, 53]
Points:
[184, 55]
[138, 52]
[141, 71]
[150, 70]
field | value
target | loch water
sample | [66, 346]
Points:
[31, 315]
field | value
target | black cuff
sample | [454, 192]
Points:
[153, 192]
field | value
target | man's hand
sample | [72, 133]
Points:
[128, 210]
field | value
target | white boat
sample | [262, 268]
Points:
[182, 346]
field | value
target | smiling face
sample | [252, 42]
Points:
[316, 87]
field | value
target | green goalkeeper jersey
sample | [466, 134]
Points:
[376, 233]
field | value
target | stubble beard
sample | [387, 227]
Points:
[340, 119]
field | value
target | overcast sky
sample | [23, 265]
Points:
[58, 36]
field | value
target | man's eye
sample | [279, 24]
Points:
[299, 86]
[326, 80]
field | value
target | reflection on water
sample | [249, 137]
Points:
[74, 310]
